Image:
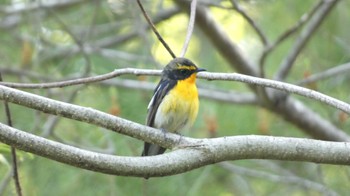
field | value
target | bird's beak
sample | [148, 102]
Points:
[200, 69]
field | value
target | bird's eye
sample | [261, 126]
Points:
[183, 71]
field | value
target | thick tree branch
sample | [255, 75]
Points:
[198, 153]
[83, 114]
[309, 121]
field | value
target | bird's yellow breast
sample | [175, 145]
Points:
[179, 108]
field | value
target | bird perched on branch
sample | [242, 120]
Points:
[174, 105]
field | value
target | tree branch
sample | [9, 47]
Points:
[13, 149]
[304, 37]
[291, 110]
[84, 114]
[95, 46]
[199, 153]
[85, 80]
[308, 184]
[305, 18]
[189, 28]
[32, 6]
[252, 23]
[154, 29]
[220, 40]
[289, 88]
[335, 71]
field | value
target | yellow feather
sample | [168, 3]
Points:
[179, 108]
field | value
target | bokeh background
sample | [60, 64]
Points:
[52, 40]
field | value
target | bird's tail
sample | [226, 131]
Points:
[152, 149]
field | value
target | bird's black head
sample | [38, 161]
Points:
[180, 69]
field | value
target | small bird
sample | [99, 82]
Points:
[174, 105]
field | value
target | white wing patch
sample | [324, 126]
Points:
[152, 100]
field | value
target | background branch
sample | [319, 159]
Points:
[308, 184]
[252, 23]
[332, 72]
[189, 28]
[305, 18]
[14, 168]
[305, 35]
[154, 29]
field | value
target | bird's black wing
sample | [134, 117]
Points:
[162, 89]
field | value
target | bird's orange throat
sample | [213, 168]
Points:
[187, 88]
[191, 79]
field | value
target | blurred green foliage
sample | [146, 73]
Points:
[35, 47]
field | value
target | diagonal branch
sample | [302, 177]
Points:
[154, 29]
[252, 23]
[335, 71]
[305, 18]
[304, 37]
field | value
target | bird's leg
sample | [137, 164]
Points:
[179, 137]
[164, 133]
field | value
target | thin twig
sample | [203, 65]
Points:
[13, 149]
[84, 80]
[95, 46]
[335, 71]
[257, 29]
[78, 42]
[305, 35]
[190, 27]
[155, 30]
[5, 181]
